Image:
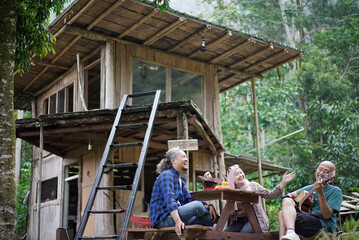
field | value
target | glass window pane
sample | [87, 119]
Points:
[46, 106]
[53, 104]
[148, 77]
[187, 86]
[70, 99]
[49, 190]
[61, 102]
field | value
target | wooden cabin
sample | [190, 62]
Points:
[105, 49]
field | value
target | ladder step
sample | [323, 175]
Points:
[134, 125]
[140, 94]
[100, 237]
[133, 144]
[106, 211]
[120, 165]
[123, 187]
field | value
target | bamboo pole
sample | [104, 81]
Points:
[257, 136]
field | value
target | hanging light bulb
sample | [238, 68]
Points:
[203, 45]
[89, 147]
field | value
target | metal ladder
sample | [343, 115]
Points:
[141, 162]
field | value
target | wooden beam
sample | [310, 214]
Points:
[190, 38]
[80, 13]
[105, 13]
[102, 127]
[253, 55]
[229, 77]
[52, 65]
[63, 51]
[213, 43]
[233, 85]
[91, 65]
[165, 31]
[231, 51]
[239, 72]
[134, 26]
[265, 60]
[202, 132]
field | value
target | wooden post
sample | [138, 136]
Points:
[39, 182]
[182, 133]
[110, 74]
[219, 158]
[257, 135]
[103, 78]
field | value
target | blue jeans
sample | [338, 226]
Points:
[240, 225]
[193, 213]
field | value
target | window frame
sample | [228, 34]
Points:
[168, 79]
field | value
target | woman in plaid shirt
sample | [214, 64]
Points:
[171, 203]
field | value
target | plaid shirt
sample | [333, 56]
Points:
[167, 195]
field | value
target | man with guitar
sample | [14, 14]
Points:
[327, 200]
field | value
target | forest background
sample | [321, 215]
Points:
[318, 94]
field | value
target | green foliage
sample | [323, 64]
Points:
[256, 17]
[278, 114]
[162, 4]
[321, 95]
[23, 186]
[32, 36]
[23, 189]
[272, 213]
[332, 105]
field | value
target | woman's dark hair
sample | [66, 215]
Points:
[166, 163]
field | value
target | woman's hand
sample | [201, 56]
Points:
[286, 179]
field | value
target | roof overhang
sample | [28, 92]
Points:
[86, 24]
[250, 164]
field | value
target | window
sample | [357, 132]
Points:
[60, 102]
[175, 85]
[70, 99]
[187, 86]
[46, 106]
[53, 104]
[92, 79]
[148, 77]
[49, 190]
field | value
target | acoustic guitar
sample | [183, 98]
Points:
[305, 199]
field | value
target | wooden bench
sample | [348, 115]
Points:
[189, 232]
[194, 232]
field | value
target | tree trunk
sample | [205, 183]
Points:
[290, 35]
[7, 119]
